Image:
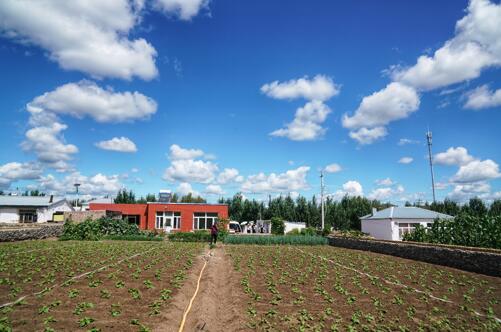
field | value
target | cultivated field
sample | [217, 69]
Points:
[142, 286]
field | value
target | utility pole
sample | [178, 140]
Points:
[76, 188]
[429, 140]
[322, 197]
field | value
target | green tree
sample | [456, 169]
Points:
[277, 226]
[495, 209]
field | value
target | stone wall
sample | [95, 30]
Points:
[79, 216]
[469, 259]
[31, 233]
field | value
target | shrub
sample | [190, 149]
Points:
[276, 239]
[277, 226]
[195, 236]
[98, 229]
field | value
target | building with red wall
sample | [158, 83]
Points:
[170, 217]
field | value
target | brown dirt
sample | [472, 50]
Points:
[219, 304]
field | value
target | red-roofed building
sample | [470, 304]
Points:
[183, 217]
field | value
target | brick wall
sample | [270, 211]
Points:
[79, 216]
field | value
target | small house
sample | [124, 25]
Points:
[32, 209]
[393, 222]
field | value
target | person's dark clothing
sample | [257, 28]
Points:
[213, 234]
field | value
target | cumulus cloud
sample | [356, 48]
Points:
[214, 189]
[291, 180]
[477, 171]
[189, 170]
[48, 143]
[482, 97]
[351, 188]
[385, 193]
[15, 171]
[475, 46]
[333, 168]
[229, 175]
[385, 182]
[86, 98]
[96, 185]
[119, 144]
[307, 123]
[178, 153]
[453, 156]
[90, 36]
[463, 192]
[395, 102]
[183, 9]
[319, 88]
[368, 136]
[185, 188]
[405, 160]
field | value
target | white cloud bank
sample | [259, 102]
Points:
[15, 171]
[291, 180]
[118, 144]
[482, 97]
[183, 9]
[90, 36]
[96, 185]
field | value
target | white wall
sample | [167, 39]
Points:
[379, 229]
[45, 214]
[289, 226]
[9, 215]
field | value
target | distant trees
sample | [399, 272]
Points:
[33, 193]
[125, 197]
[128, 197]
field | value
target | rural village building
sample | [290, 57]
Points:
[393, 222]
[169, 217]
[32, 209]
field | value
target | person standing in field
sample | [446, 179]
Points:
[213, 234]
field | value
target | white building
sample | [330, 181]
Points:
[30, 209]
[393, 222]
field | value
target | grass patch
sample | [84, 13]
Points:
[276, 239]
[133, 238]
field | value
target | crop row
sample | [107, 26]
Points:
[293, 288]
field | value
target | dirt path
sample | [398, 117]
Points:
[220, 303]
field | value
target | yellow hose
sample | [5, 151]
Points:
[181, 327]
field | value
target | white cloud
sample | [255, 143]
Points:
[185, 188]
[183, 9]
[385, 182]
[98, 184]
[14, 171]
[86, 98]
[368, 136]
[477, 171]
[214, 189]
[385, 193]
[178, 153]
[291, 180]
[189, 170]
[333, 168]
[350, 188]
[134, 169]
[482, 97]
[463, 192]
[229, 175]
[476, 46]
[307, 123]
[48, 143]
[319, 88]
[405, 141]
[405, 160]
[396, 101]
[453, 156]
[119, 144]
[85, 35]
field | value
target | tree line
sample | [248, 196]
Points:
[128, 197]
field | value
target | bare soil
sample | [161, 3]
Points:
[219, 304]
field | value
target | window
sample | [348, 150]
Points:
[27, 216]
[131, 218]
[405, 228]
[168, 219]
[204, 220]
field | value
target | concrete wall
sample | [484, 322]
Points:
[289, 226]
[486, 261]
[45, 214]
[379, 229]
[31, 233]
[9, 215]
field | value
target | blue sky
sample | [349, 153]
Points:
[218, 97]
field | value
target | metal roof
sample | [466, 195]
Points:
[406, 212]
[38, 201]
